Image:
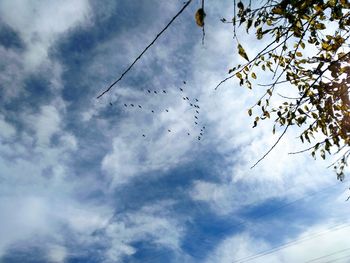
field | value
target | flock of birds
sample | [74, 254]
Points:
[193, 103]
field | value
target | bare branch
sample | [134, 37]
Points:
[144, 51]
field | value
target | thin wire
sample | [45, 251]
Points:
[336, 259]
[144, 51]
[328, 255]
[292, 243]
[244, 223]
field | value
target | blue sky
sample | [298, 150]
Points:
[80, 182]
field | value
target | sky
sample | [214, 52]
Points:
[92, 180]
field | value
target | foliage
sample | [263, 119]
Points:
[307, 50]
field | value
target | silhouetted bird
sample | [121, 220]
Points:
[188, 133]
[181, 89]
[111, 104]
[195, 123]
[197, 111]
[199, 138]
[125, 105]
[183, 98]
[203, 127]
[169, 130]
[187, 98]
[200, 133]
[196, 100]
[152, 111]
[164, 91]
[196, 117]
[132, 105]
[167, 110]
[149, 91]
[140, 106]
[143, 135]
[191, 104]
[155, 92]
[184, 82]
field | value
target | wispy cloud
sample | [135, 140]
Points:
[85, 178]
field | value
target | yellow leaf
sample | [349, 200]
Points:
[242, 52]
[277, 10]
[320, 26]
[200, 17]
[253, 75]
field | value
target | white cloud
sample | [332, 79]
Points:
[6, 129]
[57, 254]
[40, 23]
[43, 188]
[151, 223]
[45, 124]
[328, 240]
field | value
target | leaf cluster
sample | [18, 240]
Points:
[307, 51]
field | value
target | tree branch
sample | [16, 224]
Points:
[144, 51]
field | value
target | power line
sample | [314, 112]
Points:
[328, 255]
[337, 259]
[291, 203]
[245, 223]
[291, 243]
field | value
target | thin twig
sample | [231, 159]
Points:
[296, 108]
[261, 53]
[144, 51]
[310, 148]
[234, 19]
[203, 28]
